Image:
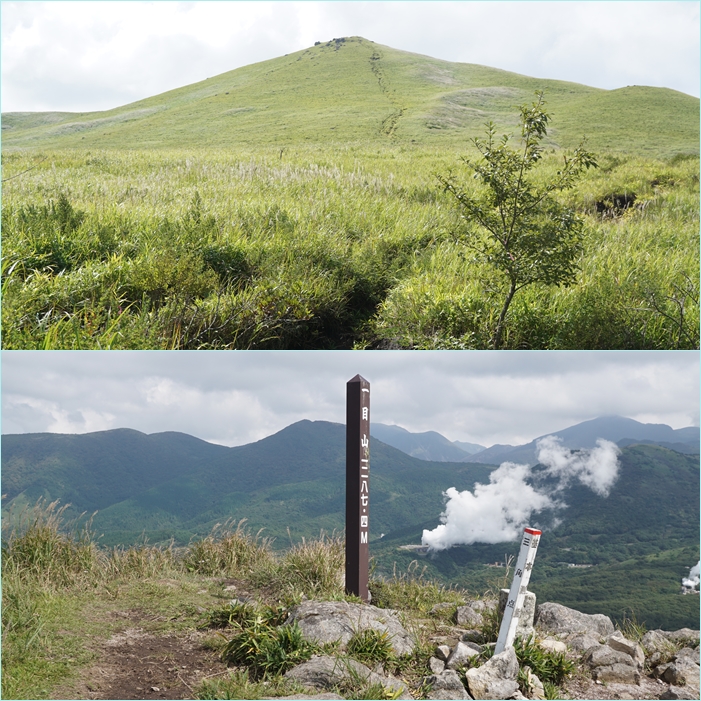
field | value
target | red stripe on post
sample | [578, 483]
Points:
[532, 531]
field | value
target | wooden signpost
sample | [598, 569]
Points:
[357, 486]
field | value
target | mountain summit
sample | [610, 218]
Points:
[351, 90]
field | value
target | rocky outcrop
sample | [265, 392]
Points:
[673, 657]
[326, 672]
[682, 670]
[614, 661]
[556, 618]
[467, 617]
[331, 621]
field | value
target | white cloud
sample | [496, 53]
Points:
[237, 397]
[98, 55]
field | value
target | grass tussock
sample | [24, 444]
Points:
[228, 551]
[312, 568]
[411, 591]
[38, 549]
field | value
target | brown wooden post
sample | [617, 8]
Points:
[357, 486]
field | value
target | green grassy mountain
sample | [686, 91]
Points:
[352, 90]
[639, 542]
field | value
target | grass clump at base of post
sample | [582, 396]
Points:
[313, 568]
[552, 668]
[409, 591]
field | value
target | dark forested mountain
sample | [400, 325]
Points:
[618, 429]
[636, 544]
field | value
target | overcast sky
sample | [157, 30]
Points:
[96, 55]
[234, 398]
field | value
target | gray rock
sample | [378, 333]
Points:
[442, 652]
[328, 621]
[460, 655]
[483, 605]
[581, 642]
[555, 618]
[534, 687]
[603, 656]
[496, 678]
[665, 641]
[618, 642]
[680, 692]
[468, 617]
[681, 672]
[689, 654]
[683, 635]
[436, 665]
[525, 622]
[324, 672]
[552, 645]
[656, 641]
[441, 607]
[617, 673]
[446, 685]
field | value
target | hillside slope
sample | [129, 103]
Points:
[352, 90]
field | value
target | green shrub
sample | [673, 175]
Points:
[550, 667]
[267, 650]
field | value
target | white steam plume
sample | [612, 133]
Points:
[596, 468]
[497, 512]
[694, 578]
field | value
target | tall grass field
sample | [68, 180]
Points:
[295, 204]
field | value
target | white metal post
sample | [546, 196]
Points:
[517, 593]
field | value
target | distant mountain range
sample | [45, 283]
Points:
[425, 446]
[618, 429]
[352, 90]
[640, 541]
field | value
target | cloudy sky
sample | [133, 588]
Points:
[238, 397]
[95, 55]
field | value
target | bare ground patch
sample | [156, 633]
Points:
[134, 664]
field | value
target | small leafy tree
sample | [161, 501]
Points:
[516, 225]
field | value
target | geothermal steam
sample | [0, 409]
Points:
[694, 578]
[497, 512]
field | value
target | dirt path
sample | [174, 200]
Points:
[134, 664]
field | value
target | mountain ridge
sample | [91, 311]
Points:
[353, 90]
[585, 434]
